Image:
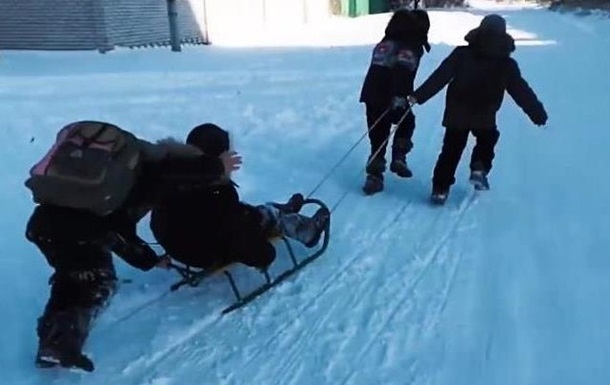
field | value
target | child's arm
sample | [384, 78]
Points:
[524, 96]
[134, 251]
[439, 78]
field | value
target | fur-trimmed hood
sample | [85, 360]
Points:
[173, 147]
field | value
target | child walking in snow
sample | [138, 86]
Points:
[388, 82]
[477, 74]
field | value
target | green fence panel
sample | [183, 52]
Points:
[379, 6]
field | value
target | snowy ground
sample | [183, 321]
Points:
[505, 287]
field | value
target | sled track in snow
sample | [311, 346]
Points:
[159, 356]
[342, 271]
[302, 341]
[395, 305]
[145, 364]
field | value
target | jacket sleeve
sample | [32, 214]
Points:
[439, 78]
[524, 96]
[125, 242]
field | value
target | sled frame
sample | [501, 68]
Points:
[193, 277]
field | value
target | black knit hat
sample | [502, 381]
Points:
[209, 138]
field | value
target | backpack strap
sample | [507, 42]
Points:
[87, 141]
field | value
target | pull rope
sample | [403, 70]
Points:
[332, 170]
[385, 142]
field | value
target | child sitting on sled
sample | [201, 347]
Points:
[208, 227]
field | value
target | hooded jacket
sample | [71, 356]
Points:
[478, 74]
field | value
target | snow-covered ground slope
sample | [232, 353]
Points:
[503, 287]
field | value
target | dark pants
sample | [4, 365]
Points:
[81, 287]
[75, 302]
[454, 142]
[379, 135]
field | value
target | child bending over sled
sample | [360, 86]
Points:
[92, 188]
[207, 226]
[477, 74]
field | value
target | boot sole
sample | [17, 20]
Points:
[408, 174]
[478, 185]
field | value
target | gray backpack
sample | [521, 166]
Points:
[92, 166]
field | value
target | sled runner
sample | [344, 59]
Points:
[194, 277]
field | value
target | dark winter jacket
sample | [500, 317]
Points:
[478, 75]
[73, 240]
[391, 73]
[396, 58]
[76, 240]
[208, 227]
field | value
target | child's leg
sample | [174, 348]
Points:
[454, 143]
[378, 136]
[77, 298]
[483, 152]
[304, 229]
[402, 145]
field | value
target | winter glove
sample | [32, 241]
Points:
[399, 103]
[539, 118]
[135, 252]
[164, 262]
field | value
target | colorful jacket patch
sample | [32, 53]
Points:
[389, 54]
[383, 54]
[407, 58]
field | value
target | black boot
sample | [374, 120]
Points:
[373, 184]
[294, 204]
[439, 195]
[399, 166]
[479, 180]
[376, 165]
[61, 338]
[478, 177]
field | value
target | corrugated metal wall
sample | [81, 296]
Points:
[105, 24]
[95, 24]
[137, 22]
[47, 24]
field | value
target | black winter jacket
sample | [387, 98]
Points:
[209, 227]
[392, 71]
[75, 240]
[478, 75]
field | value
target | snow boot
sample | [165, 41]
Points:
[439, 196]
[373, 184]
[318, 223]
[305, 229]
[61, 338]
[399, 163]
[400, 168]
[376, 165]
[478, 179]
[294, 204]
